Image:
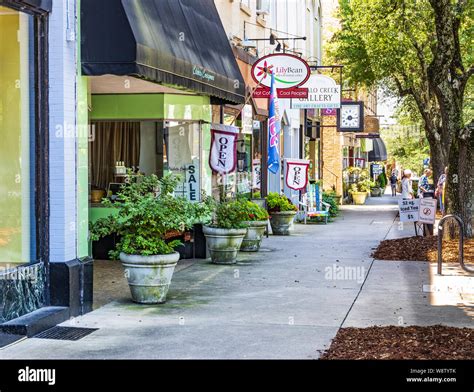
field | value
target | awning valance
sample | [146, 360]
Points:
[379, 152]
[181, 43]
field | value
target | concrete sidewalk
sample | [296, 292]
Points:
[287, 301]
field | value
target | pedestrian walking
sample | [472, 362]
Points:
[440, 188]
[407, 189]
[393, 183]
[423, 183]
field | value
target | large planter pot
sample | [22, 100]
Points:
[149, 277]
[359, 197]
[223, 244]
[254, 236]
[281, 222]
[375, 192]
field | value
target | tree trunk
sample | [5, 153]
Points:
[460, 178]
[439, 153]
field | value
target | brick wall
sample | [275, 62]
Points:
[331, 154]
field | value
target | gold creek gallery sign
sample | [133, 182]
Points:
[290, 73]
[297, 173]
[223, 152]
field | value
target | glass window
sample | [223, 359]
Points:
[17, 130]
[181, 156]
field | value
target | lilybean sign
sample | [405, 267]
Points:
[290, 73]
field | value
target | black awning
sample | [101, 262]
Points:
[379, 152]
[175, 42]
[29, 5]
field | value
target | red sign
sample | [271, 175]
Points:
[263, 92]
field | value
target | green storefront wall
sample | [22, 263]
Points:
[151, 107]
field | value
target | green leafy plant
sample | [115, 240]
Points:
[381, 181]
[361, 186]
[328, 197]
[254, 212]
[230, 215]
[279, 203]
[147, 212]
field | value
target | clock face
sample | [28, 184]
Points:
[350, 116]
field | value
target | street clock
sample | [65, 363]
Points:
[350, 117]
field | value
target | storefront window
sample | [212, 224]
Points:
[17, 130]
[182, 156]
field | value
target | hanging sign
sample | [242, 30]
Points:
[223, 154]
[256, 173]
[427, 210]
[297, 173]
[409, 210]
[290, 73]
[323, 93]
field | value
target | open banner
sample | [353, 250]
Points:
[297, 174]
[223, 153]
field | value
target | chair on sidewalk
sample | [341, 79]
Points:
[313, 205]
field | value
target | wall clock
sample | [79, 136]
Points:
[350, 117]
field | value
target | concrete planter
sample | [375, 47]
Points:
[359, 197]
[375, 192]
[281, 222]
[223, 244]
[149, 277]
[254, 236]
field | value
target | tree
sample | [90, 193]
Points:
[415, 50]
[448, 78]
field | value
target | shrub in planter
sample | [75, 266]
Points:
[225, 233]
[331, 198]
[256, 221]
[148, 214]
[282, 212]
[359, 191]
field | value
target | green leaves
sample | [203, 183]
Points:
[279, 203]
[147, 212]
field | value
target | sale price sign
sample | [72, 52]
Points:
[409, 210]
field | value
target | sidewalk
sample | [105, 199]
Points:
[287, 301]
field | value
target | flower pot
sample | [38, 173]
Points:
[281, 222]
[149, 277]
[97, 195]
[223, 244]
[375, 192]
[359, 197]
[254, 236]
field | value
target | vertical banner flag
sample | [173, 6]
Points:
[223, 154]
[297, 174]
[273, 130]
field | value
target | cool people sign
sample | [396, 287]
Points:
[223, 154]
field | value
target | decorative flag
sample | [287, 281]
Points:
[223, 154]
[297, 174]
[273, 130]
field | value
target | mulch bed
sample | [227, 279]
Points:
[423, 249]
[433, 342]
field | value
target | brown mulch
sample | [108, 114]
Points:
[414, 342]
[423, 249]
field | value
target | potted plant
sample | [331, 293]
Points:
[226, 231]
[360, 190]
[282, 212]
[256, 221]
[148, 214]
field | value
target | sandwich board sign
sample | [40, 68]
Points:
[409, 210]
[427, 211]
